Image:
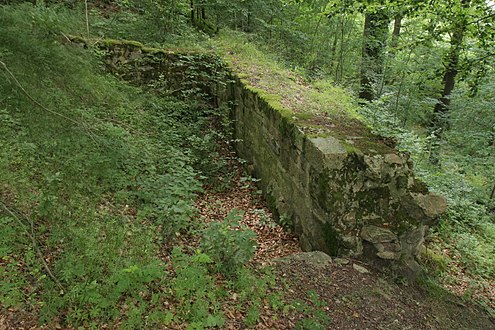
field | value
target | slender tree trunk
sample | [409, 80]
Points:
[440, 120]
[87, 16]
[374, 41]
[333, 49]
[401, 84]
[172, 17]
[313, 47]
[203, 9]
[343, 45]
[249, 18]
[396, 32]
[198, 11]
[386, 77]
[451, 70]
[340, 63]
[391, 76]
[249, 28]
[191, 6]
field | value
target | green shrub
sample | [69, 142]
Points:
[314, 316]
[229, 244]
[195, 290]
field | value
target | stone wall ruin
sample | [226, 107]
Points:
[343, 190]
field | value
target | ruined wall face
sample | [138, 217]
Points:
[185, 74]
[342, 194]
[339, 199]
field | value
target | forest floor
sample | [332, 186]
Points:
[336, 293]
[455, 279]
[323, 292]
[353, 295]
[333, 293]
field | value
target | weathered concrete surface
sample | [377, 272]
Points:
[345, 193]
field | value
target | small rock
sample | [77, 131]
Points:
[341, 261]
[379, 247]
[316, 259]
[426, 208]
[394, 159]
[329, 145]
[376, 234]
[360, 269]
[413, 268]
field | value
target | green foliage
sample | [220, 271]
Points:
[200, 296]
[229, 244]
[101, 174]
[385, 122]
[467, 228]
[12, 251]
[253, 288]
[200, 71]
[101, 171]
[206, 152]
[264, 218]
[314, 316]
[195, 290]
[106, 174]
[286, 222]
[153, 22]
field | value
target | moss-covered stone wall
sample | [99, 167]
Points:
[344, 191]
[182, 73]
[341, 198]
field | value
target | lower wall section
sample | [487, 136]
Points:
[339, 199]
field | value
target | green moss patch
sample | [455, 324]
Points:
[319, 108]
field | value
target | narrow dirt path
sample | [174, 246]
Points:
[242, 195]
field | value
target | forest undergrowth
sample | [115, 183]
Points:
[99, 186]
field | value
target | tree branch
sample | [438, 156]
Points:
[31, 234]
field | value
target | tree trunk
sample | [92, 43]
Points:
[191, 4]
[374, 41]
[249, 24]
[392, 75]
[440, 120]
[396, 32]
[202, 4]
[451, 71]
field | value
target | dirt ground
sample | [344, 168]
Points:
[352, 299]
[356, 300]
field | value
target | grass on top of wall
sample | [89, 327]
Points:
[284, 89]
